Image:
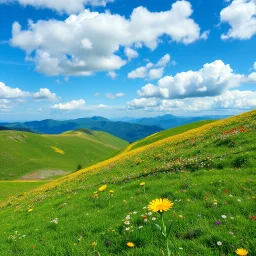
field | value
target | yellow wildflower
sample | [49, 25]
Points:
[94, 243]
[130, 244]
[142, 184]
[241, 252]
[30, 210]
[102, 188]
[160, 205]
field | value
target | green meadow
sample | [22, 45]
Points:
[10, 188]
[208, 173]
[24, 152]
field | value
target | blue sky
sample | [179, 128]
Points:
[68, 59]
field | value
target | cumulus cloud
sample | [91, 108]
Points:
[114, 96]
[252, 78]
[155, 73]
[140, 72]
[235, 99]
[151, 71]
[18, 95]
[130, 53]
[45, 94]
[241, 16]
[89, 42]
[7, 92]
[213, 79]
[68, 6]
[143, 103]
[112, 74]
[72, 105]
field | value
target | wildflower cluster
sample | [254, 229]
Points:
[54, 221]
[16, 236]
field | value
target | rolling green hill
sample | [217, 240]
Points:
[208, 173]
[22, 152]
[126, 131]
[164, 134]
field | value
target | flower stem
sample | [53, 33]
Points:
[164, 232]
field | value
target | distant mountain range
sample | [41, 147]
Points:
[127, 131]
[130, 130]
[169, 121]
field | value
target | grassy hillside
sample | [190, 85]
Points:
[23, 152]
[208, 173]
[10, 188]
[167, 133]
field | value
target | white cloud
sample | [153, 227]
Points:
[243, 100]
[102, 106]
[254, 66]
[252, 78]
[72, 105]
[68, 6]
[89, 42]
[7, 92]
[142, 103]
[241, 16]
[45, 94]
[164, 61]
[130, 53]
[114, 96]
[86, 44]
[112, 74]
[96, 94]
[140, 72]
[4, 105]
[151, 71]
[155, 73]
[205, 35]
[213, 79]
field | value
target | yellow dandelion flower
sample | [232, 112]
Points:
[142, 184]
[102, 188]
[130, 244]
[160, 205]
[241, 252]
[94, 243]
[30, 210]
[111, 191]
